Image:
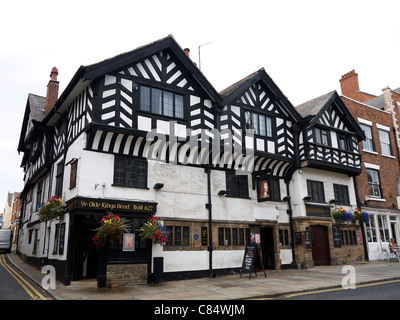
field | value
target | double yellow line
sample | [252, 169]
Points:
[34, 294]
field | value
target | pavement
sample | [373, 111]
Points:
[230, 287]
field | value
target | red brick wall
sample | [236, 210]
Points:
[389, 167]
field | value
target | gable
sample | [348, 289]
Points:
[161, 67]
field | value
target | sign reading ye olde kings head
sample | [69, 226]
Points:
[112, 205]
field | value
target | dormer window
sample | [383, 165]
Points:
[161, 102]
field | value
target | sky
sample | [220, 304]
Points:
[305, 47]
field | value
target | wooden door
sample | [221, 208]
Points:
[320, 246]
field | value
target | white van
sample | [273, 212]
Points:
[5, 240]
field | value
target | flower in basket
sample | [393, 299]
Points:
[112, 229]
[155, 231]
[54, 208]
[360, 216]
[340, 215]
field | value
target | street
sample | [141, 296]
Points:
[388, 290]
[14, 285]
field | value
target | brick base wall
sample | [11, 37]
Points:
[127, 274]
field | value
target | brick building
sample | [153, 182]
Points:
[378, 183]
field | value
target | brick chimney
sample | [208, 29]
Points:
[349, 84]
[52, 90]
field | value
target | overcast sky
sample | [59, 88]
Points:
[305, 47]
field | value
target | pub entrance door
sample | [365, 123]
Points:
[267, 247]
[86, 253]
[320, 246]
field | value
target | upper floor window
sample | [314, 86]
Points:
[261, 124]
[384, 138]
[237, 185]
[344, 143]
[316, 191]
[373, 183]
[59, 179]
[368, 143]
[73, 174]
[161, 102]
[341, 194]
[321, 136]
[130, 172]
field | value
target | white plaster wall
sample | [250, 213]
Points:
[185, 260]
[298, 187]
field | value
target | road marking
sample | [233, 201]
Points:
[338, 289]
[33, 293]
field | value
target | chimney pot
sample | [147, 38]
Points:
[187, 51]
[54, 74]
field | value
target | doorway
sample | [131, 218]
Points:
[320, 246]
[267, 247]
[86, 253]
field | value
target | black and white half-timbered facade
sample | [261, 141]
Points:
[330, 158]
[145, 133]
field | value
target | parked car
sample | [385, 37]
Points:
[5, 240]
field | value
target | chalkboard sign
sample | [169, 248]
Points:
[252, 258]
[248, 259]
[337, 237]
[307, 239]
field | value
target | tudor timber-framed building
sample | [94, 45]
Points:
[145, 133]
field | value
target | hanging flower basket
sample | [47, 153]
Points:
[54, 208]
[154, 231]
[360, 217]
[112, 229]
[340, 215]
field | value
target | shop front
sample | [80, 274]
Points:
[321, 242]
[83, 255]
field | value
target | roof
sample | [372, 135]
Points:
[379, 102]
[227, 91]
[36, 105]
[314, 106]
[85, 74]
[312, 111]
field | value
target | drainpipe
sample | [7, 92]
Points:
[209, 207]
[296, 133]
[290, 213]
[359, 204]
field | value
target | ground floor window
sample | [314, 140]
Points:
[382, 227]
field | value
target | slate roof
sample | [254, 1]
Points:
[379, 102]
[312, 107]
[36, 105]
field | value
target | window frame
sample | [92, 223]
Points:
[235, 187]
[341, 194]
[319, 133]
[178, 101]
[233, 236]
[369, 140]
[254, 120]
[59, 179]
[385, 144]
[313, 187]
[374, 184]
[133, 163]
